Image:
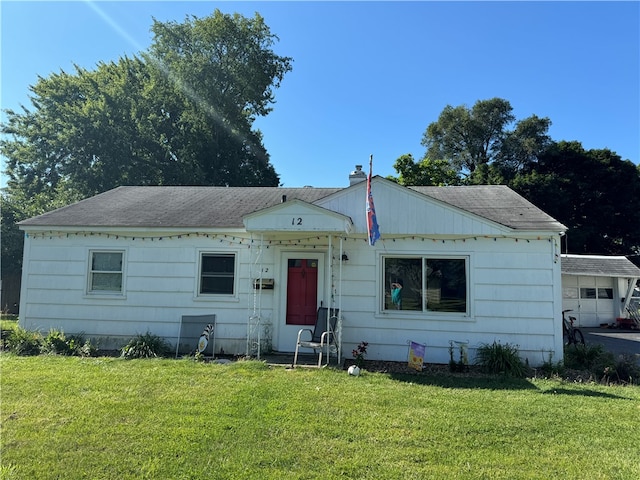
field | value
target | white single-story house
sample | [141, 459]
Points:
[597, 288]
[477, 264]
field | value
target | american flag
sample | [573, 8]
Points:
[372, 221]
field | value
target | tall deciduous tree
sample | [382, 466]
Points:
[521, 147]
[469, 137]
[478, 143]
[593, 192]
[224, 71]
[181, 113]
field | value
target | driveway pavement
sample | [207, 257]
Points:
[614, 340]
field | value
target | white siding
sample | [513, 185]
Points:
[161, 282]
[512, 300]
[514, 283]
[404, 212]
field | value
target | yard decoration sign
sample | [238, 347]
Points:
[416, 355]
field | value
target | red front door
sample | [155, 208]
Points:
[302, 291]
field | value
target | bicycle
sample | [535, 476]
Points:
[571, 334]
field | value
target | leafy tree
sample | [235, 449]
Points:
[84, 132]
[478, 144]
[468, 138]
[424, 172]
[181, 113]
[522, 146]
[593, 192]
[224, 71]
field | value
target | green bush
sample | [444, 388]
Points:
[621, 369]
[602, 364]
[498, 358]
[551, 369]
[87, 349]
[583, 357]
[24, 342]
[146, 346]
[57, 343]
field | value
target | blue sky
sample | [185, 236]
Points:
[369, 77]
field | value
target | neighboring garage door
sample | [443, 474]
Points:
[590, 298]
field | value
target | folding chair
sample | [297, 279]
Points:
[323, 336]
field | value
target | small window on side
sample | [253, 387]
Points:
[105, 271]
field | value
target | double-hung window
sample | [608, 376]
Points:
[217, 273]
[106, 271]
[426, 284]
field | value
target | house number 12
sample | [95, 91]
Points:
[296, 221]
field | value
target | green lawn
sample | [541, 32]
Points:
[107, 418]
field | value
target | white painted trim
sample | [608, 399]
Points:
[216, 297]
[420, 314]
[88, 293]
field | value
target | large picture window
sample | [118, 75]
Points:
[429, 284]
[105, 271]
[217, 273]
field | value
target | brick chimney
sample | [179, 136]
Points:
[357, 176]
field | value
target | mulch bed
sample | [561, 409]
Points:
[402, 368]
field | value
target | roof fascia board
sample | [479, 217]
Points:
[41, 229]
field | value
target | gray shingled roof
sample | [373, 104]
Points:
[599, 266]
[224, 207]
[187, 207]
[497, 203]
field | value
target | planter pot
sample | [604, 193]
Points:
[354, 370]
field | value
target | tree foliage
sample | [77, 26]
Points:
[594, 193]
[181, 113]
[468, 137]
[477, 141]
[424, 172]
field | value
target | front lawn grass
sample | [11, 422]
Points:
[108, 418]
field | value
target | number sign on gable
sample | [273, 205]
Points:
[297, 216]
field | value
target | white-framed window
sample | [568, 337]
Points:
[217, 273]
[106, 271]
[426, 283]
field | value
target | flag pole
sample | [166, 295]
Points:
[373, 230]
